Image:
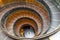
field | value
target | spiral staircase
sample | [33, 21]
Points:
[28, 19]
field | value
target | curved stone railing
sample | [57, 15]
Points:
[27, 20]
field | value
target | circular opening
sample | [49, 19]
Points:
[27, 31]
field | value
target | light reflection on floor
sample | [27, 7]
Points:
[29, 33]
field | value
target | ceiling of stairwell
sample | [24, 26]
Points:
[29, 19]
